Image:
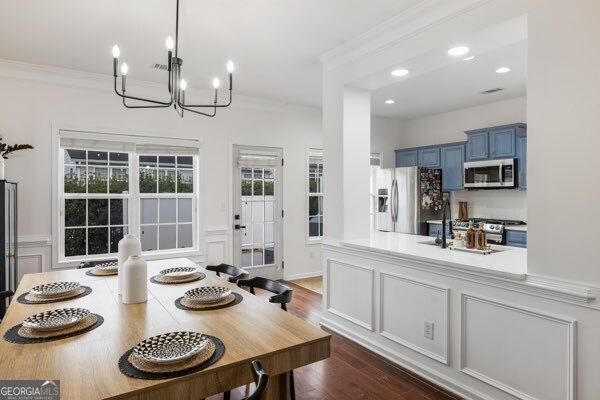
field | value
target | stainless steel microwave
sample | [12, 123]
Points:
[491, 174]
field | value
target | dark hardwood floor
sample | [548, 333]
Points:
[352, 372]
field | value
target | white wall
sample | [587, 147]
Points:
[564, 167]
[386, 136]
[28, 108]
[450, 127]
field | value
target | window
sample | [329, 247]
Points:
[96, 199]
[315, 194]
[166, 185]
[107, 194]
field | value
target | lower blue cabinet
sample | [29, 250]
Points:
[435, 230]
[516, 238]
[453, 158]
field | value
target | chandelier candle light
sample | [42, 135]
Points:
[176, 84]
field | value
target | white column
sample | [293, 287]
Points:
[346, 143]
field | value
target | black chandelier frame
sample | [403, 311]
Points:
[176, 92]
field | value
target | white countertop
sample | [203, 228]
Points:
[509, 263]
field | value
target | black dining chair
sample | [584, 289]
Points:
[282, 295]
[261, 379]
[235, 272]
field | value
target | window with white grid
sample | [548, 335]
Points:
[315, 194]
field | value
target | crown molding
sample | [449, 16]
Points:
[410, 22]
[92, 81]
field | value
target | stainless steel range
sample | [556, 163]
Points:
[494, 228]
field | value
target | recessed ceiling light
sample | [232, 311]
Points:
[400, 72]
[469, 58]
[390, 101]
[458, 51]
[502, 70]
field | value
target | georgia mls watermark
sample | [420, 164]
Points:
[29, 390]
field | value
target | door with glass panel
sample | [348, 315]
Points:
[258, 208]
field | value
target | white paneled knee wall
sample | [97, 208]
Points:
[478, 336]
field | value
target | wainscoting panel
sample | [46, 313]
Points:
[216, 246]
[534, 353]
[406, 306]
[344, 278]
[34, 255]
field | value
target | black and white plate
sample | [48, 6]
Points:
[108, 266]
[170, 347]
[54, 289]
[207, 294]
[179, 272]
[53, 320]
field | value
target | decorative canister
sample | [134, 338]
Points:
[135, 280]
[128, 246]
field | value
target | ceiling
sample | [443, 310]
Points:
[274, 43]
[440, 83]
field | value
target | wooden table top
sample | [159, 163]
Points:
[87, 365]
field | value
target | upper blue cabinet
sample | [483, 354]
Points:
[406, 158]
[495, 142]
[522, 163]
[477, 146]
[453, 159]
[430, 157]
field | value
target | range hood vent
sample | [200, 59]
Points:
[490, 91]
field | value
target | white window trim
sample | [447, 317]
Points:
[119, 136]
[310, 240]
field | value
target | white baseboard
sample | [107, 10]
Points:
[303, 275]
[419, 369]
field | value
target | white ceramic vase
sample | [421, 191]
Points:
[2, 164]
[129, 246]
[134, 275]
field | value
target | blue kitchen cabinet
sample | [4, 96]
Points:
[477, 146]
[429, 157]
[453, 158]
[522, 161]
[435, 230]
[516, 238]
[502, 143]
[406, 158]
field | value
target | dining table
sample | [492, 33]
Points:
[87, 364]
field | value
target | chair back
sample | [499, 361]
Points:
[235, 272]
[261, 379]
[283, 293]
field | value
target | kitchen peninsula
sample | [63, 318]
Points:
[448, 314]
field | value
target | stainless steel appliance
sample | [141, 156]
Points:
[495, 229]
[407, 198]
[491, 174]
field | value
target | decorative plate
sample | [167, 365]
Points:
[56, 319]
[108, 265]
[207, 294]
[54, 289]
[170, 347]
[179, 272]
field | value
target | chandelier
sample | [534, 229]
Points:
[176, 84]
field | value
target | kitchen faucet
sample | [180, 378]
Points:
[446, 206]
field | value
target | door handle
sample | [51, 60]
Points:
[238, 227]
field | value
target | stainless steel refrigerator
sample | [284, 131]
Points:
[407, 198]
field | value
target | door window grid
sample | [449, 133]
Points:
[315, 194]
[166, 187]
[258, 216]
[95, 209]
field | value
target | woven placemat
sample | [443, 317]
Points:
[182, 304]
[163, 280]
[127, 368]
[27, 298]
[96, 272]
[21, 335]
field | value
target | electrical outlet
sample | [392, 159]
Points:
[428, 330]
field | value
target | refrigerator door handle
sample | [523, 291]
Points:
[395, 201]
